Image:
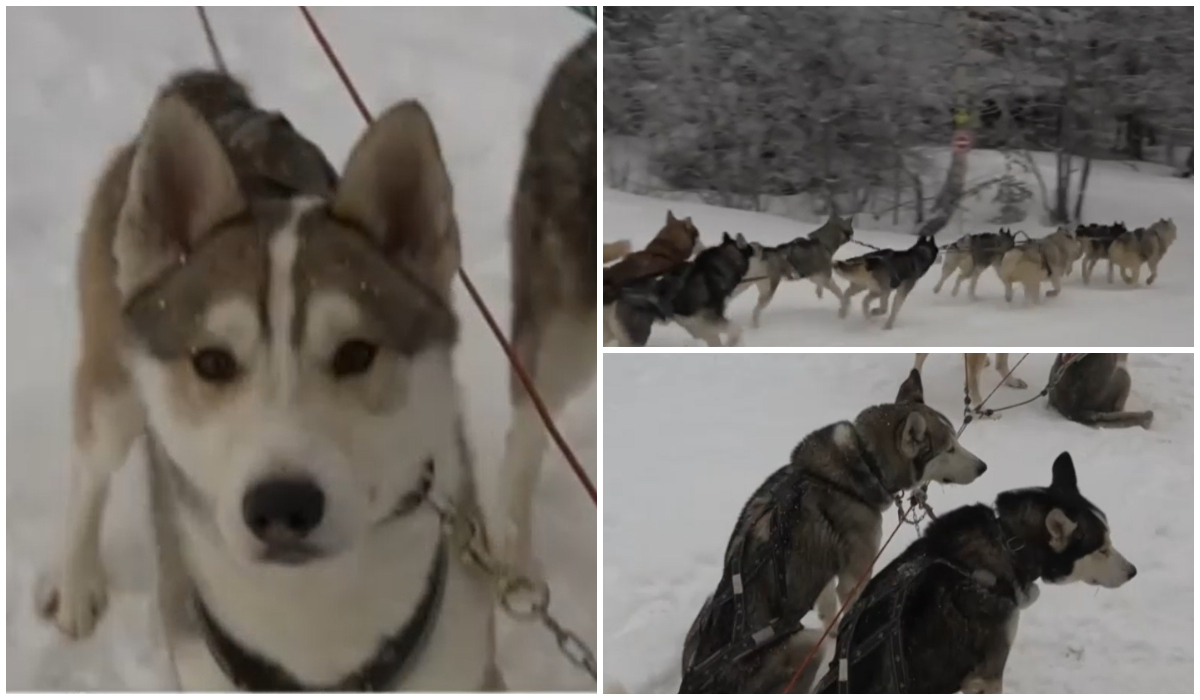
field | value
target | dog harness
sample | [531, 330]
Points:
[785, 495]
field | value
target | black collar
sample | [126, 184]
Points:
[251, 672]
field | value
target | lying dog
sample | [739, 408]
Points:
[942, 616]
[1033, 262]
[882, 271]
[809, 534]
[284, 341]
[554, 277]
[975, 362]
[970, 255]
[1147, 247]
[1093, 389]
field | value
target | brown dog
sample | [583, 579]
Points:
[617, 250]
[975, 362]
[673, 245]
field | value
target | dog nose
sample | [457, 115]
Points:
[982, 468]
[287, 509]
[1132, 571]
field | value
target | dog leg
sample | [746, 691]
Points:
[766, 292]
[1110, 271]
[1008, 291]
[1056, 286]
[1085, 269]
[920, 361]
[701, 329]
[866, 303]
[106, 424]
[560, 357]
[827, 607]
[1002, 368]
[975, 363]
[884, 298]
[974, 283]
[947, 270]
[827, 282]
[851, 290]
[1153, 264]
[901, 295]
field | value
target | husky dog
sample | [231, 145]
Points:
[970, 255]
[1093, 389]
[616, 250]
[808, 535]
[1096, 240]
[693, 295]
[1144, 246]
[942, 616]
[808, 257]
[975, 362]
[554, 276]
[1032, 262]
[881, 271]
[678, 240]
[284, 343]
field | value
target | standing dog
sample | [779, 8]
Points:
[284, 342]
[942, 616]
[975, 362]
[554, 276]
[1096, 239]
[970, 255]
[1144, 246]
[809, 257]
[879, 272]
[1092, 389]
[1032, 262]
[809, 534]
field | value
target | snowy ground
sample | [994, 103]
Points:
[80, 82]
[689, 437]
[1095, 315]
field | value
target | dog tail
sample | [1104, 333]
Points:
[854, 267]
[616, 250]
[1114, 419]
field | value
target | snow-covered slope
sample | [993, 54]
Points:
[689, 437]
[1097, 315]
[79, 82]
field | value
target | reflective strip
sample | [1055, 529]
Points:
[843, 670]
[737, 584]
[763, 636]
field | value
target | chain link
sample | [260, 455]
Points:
[521, 597]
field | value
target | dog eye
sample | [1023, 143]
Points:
[353, 357]
[215, 365]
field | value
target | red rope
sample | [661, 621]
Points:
[816, 647]
[522, 375]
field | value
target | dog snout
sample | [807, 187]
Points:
[980, 469]
[1132, 571]
[284, 510]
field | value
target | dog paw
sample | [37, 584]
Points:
[1014, 383]
[1028, 596]
[73, 599]
[1147, 420]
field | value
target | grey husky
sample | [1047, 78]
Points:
[942, 616]
[694, 295]
[808, 257]
[284, 340]
[1096, 239]
[970, 255]
[1146, 246]
[808, 535]
[880, 272]
[554, 238]
[1093, 389]
[1031, 263]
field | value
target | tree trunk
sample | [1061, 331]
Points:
[920, 197]
[1083, 182]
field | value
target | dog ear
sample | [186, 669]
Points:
[1063, 472]
[741, 240]
[671, 217]
[181, 186]
[688, 221]
[396, 188]
[1060, 528]
[725, 238]
[912, 434]
[911, 390]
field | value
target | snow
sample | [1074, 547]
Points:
[688, 437]
[79, 85]
[1138, 194]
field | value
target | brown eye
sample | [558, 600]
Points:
[215, 365]
[353, 357]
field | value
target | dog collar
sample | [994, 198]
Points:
[251, 672]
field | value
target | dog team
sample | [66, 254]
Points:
[664, 283]
[283, 336]
[942, 616]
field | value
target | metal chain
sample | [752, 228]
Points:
[521, 597]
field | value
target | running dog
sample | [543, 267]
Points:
[1031, 263]
[809, 534]
[970, 255]
[808, 257]
[975, 362]
[942, 616]
[1092, 389]
[1144, 246]
[1096, 240]
[616, 250]
[678, 240]
[283, 339]
[879, 272]
[554, 234]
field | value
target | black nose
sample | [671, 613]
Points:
[1132, 571]
[982, 468]
[283, 509]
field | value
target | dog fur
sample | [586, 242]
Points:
[970, 255]
[880, 272]
[1147, 246]
[1031, 263]
[261, 322]
[1093, 389]
[677, 241]
[616, 250]
[1096, 239]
